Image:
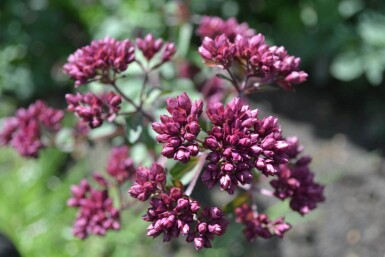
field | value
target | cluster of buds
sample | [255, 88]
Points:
[93, 109]
[97, 60]
[103, 59]
[295, 181]
[178, 132]
[261, 63]
[148, 181]
[149, 46]
[239, 142]
[96, 213]
[259, 225]
[212, 26]
[26, 129]
[120, 166]
[172, 213]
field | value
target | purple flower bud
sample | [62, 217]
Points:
[168, 51]
[180, 130]
[218, 52]
[215, 26]
[96, 60]
[96, 213]
[25, 130]
[149, 46]
[147, 181]
[94, 109]
[119, 165]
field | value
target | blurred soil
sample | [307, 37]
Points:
[351, 223]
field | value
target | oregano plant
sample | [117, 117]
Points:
[219, 140]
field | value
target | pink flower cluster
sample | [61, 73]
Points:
[96, 60]
[149, 46]
[262, 64]
[212, 26]
[173, 213]
[295, 181]
[259, 225]
[179, 131]
[239, 142]
[148, 181]
[120, 166]
[93, 109]
[96, 213]
[26, 129]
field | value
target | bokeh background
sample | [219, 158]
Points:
[339, 115]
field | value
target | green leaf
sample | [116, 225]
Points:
[184, 39]
[134, 127]
[182, 168]
[238, 201]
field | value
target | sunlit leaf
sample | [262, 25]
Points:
[180, 168]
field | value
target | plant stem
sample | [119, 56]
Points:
[125, 97]
[145, 80]
[234, 81]
[194, 180]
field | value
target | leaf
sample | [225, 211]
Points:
[134, 127]
[182, 168]
[238, 201]
[185, 34]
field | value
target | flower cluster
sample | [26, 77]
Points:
[296, 182]
[259, 225]
[262, 64]
[96, 212]
[214, 26]
[148, 181]
[93, 109]
[239, 142]
[149, 46]
[211, 222]
[178, 132]
[173, 213]
[96, 60]
[217, 52]
[25, 130]
[120, 166]
[268, 64]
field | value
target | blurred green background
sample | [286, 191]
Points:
[341, 44]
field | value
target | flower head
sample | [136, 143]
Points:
[211, 222]
[259, 225]
[217, 52]
[173, 213]
[25, 130]
[120, 165]
[239, 142]
[296, 182]
[212, 26]
[96, 60]
[94, 109]
[268, 64]
[178, 132]
[149, 45]
[96, 213]
[148, 181]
